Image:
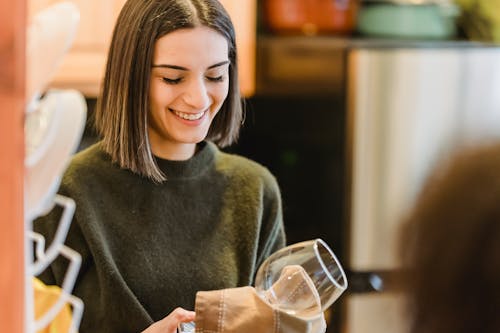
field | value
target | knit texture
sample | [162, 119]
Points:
[148, 248]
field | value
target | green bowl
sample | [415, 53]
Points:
[407, 21]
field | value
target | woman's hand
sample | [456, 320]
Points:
[169, 323]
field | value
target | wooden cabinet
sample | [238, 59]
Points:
[83, 66]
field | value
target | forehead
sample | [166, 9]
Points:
[191, 47]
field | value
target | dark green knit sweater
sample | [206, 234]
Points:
[148, 248]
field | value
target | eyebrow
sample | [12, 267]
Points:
[185, 69]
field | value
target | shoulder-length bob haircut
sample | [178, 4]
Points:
[121, 116]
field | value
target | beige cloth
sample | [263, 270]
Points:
[241, 310]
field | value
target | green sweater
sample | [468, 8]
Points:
[147, 248]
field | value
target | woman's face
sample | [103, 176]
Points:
[189, 83]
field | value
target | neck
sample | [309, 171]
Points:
[177, 152]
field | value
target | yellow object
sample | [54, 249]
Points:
[45, 297]
[480, 19]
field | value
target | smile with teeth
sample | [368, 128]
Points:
[188, 116]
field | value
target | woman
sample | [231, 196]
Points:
[161, 212]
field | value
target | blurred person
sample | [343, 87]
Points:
[451, 246]
[161, 211]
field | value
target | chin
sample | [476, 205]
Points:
[190, 136]
[193, 140]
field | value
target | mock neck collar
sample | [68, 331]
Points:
[195, 166]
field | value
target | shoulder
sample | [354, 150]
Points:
[88, 159]
[87, 166]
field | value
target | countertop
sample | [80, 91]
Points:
[363, 42]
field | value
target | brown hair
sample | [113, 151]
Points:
[121, 116]
[451, 244]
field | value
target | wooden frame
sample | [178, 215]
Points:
[12, 101]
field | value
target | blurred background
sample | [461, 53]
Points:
[350, 103]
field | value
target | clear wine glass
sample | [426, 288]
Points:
[302, 279]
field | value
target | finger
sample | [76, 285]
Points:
[183, 315]
[179, 315]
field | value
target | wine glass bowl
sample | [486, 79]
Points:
[302, 278]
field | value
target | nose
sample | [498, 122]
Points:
[196, 95]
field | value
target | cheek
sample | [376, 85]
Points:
[159, 94]
[220, 94]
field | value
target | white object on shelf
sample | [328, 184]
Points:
[52, 134]
[45, 257]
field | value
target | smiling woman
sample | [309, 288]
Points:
[131, 84]
[161, 211]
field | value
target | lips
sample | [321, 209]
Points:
[188, 116]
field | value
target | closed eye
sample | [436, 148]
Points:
[215, 79]
[172, 81]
